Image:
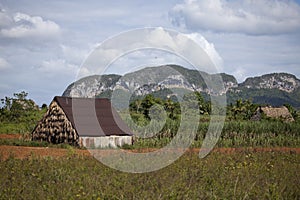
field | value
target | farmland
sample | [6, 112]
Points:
[251, 160]
[240, 175]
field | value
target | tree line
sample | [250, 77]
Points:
[19, 108]
[240, 110]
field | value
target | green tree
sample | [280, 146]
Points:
[148, 102]
[21, 96]
[195, 100]
[44, 106]
[242, 109]
[7, 103]
[17, 108]
[172, 108]
[138, 104]
[292, 111]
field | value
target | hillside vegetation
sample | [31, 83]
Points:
[273, 89]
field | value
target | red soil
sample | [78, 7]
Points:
[10, 136]
[21, 152]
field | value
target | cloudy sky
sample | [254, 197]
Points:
[44, 43]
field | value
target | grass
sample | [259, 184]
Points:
[238, 134]
[257, 134]
[271, 175]
[28, 143]
[234, 134]
[22, 128]
[248, 175]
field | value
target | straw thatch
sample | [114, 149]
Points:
[274, 112]
[55, 127]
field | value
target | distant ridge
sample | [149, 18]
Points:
[273, 89]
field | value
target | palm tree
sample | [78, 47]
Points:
[243, 109]
[138, 104]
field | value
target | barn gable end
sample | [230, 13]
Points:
[55, 127]
[97, 124]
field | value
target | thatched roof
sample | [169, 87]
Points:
[277, 112]
[93, 116]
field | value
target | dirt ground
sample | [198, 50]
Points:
[21, 152]
[10, 136]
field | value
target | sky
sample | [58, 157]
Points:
[43, 44]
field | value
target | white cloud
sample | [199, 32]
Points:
[5, 20]
[248, 16]
[24, 26]
[144, 58]
[192, 47]
[4, 64]
[74, 54]
[240, 74]
[209, 48]
[58, 68]
[257, 55]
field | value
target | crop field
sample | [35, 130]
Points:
[251, 160]
[236, 175]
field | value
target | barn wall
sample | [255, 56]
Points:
[106, 141]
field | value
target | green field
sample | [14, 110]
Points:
[234, 134]
[237, 134]
[247, 175]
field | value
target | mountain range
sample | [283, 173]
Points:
[167, 81]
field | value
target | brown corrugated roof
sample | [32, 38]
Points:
[93, 116]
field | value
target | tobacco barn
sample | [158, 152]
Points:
[88, 122]
[273, 112]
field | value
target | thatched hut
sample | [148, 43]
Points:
[273, 112]
[89, 122]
